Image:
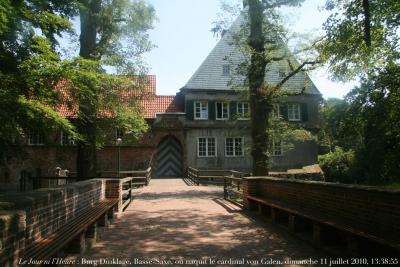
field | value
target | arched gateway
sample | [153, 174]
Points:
[169, 158]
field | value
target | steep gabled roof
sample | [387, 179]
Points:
[209, 76]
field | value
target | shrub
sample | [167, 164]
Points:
[337, 165]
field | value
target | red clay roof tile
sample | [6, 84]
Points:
[150, 102]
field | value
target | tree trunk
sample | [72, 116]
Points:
[260, 104]
[367, 23]
[86, 155]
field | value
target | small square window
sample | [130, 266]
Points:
[243, 111]
[206, 147]
[201, 110]
[277, 149]
[66, 139]
[222, 111]
[226, 70]
[119, 133]
[293, 112]
[35, 139]
[234, 147]
[276, 112]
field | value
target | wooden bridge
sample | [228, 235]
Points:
[108, 221]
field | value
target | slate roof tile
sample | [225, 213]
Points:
[209, 75]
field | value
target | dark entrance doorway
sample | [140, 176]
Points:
[169, 158]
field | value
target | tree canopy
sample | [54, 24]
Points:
[29, 67]
[113, 34]
[361, 35]
[362, 41]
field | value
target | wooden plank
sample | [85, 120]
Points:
[320, 218]
[47, 247]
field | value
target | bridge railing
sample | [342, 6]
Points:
[331, 215]
[28, 182]
[233, 186]
[140, 177]
[215, 177]
[230, 179]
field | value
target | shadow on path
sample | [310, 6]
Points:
[170, 220]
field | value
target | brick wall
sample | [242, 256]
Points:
[25, 217]
[369, 209]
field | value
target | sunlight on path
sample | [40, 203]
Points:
[169, 221]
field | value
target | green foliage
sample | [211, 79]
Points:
[345, 47]
[288, 133]
[337, 165]
[362, 40]
[377, 105]
[368, 122]
[28, 67]
[336, 117]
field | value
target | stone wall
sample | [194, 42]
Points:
[28, 216]
[369, 209]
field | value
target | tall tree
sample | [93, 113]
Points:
[266, 46]
[360, 36]
[260, 102]
[112, 33]
[29, 67]
[362, 41]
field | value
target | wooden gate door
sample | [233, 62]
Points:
[169, 158]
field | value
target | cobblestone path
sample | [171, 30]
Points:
[170, 223]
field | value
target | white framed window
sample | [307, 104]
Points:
[243, 111]
[201, 110]
[277, 149]
[234, 146]
[35, 139]
[276, 111]
[226, 70]
[293, 112]
[119, 133]
[221, 110]
[206, 147]
[66, 139]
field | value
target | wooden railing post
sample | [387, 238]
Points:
[225, 188]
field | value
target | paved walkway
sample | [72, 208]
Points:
[170, 221]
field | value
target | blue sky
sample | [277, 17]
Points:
[183, 39]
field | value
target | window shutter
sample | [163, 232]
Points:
[190, 109]
[233, 110]
[304, 112]
[211, 110]
[283, 111]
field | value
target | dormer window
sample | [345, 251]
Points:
[226, 70]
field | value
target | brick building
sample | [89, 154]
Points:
[205, 125]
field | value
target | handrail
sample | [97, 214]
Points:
[212, 176]
[231, 180]
[27, 182]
